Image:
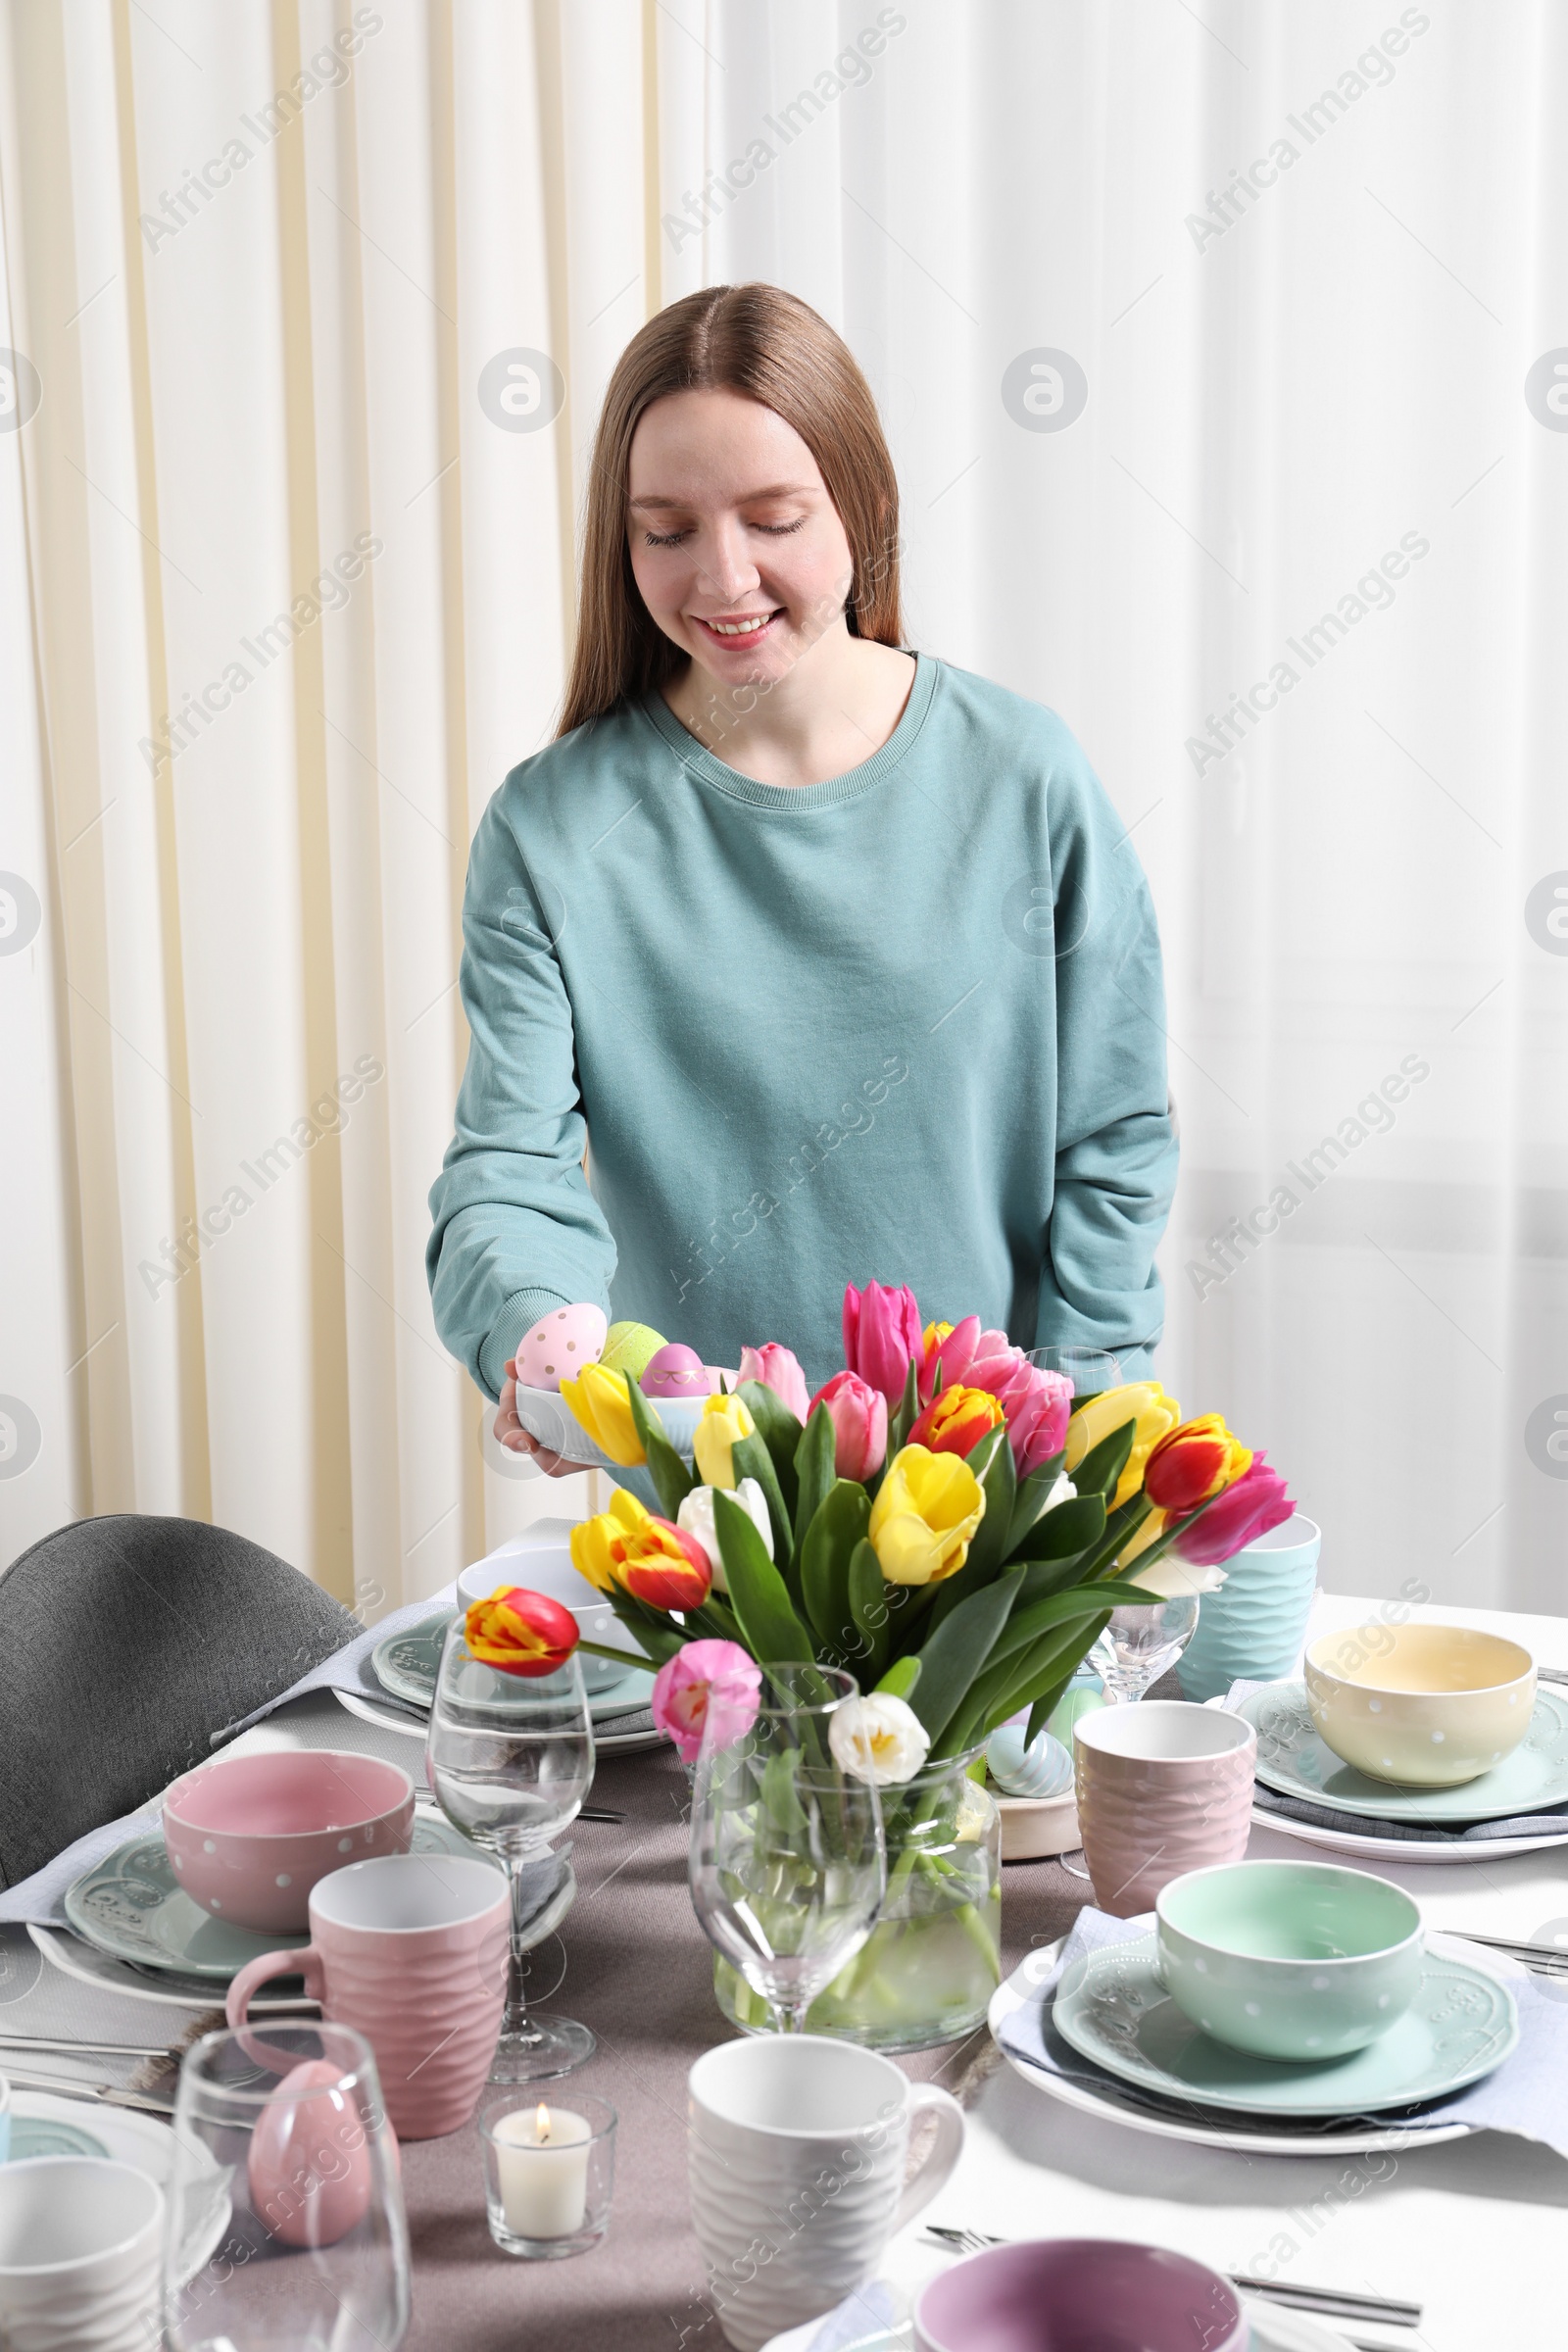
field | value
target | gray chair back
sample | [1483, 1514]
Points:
[126, 1644]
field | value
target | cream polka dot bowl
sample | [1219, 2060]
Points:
[1294, 1960]
[248, 1837]
[1424, 1706]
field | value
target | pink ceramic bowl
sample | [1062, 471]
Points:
[248, 1836]
[1063, 2294]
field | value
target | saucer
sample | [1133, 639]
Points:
[407, 1666]
[42, 2124]
[1274, 2330]
[133, 1906]
[1462, 2024]
[1292, 1758]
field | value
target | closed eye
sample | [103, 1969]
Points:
[774, 530]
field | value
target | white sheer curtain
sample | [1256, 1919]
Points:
[1219, 348]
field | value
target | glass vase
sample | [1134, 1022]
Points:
[928, 1969]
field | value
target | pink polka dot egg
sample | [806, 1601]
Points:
[558, 1346]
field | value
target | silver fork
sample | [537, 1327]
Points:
[1340, 2303]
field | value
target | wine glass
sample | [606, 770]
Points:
[788, 1861]
[1089, 1369]
[510, 1758]
[1140, 1641]
[284, 2231]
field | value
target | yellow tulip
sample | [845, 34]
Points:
[925, 1513]
[597, 1400]
[592, 1541]
[1141, 1401]
[724, 1420]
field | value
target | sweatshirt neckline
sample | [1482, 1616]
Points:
[701, 762]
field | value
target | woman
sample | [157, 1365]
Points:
[839, 955]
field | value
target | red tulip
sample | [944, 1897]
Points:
[1192, 1462]
[664, 1565]
[860, 1417]
[955, 1421]
[1236, 1518]
[519, 1632]
[882, 1337]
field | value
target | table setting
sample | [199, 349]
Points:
[811, 1901]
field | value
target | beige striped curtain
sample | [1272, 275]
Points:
[1223, 355]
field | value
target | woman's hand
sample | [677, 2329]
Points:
[510, 1434]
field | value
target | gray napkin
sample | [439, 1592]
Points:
[1369, 1825]
[1527, 2094]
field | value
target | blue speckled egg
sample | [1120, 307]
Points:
[1044, 1769]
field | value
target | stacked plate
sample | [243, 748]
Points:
[1408, 1824]
[1116, 2045]
[406, 1666]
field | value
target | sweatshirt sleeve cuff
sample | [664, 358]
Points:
[521, 1313]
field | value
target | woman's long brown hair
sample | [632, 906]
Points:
[767, 345]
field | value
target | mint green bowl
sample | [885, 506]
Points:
[1289, 1959]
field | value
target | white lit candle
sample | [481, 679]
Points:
[542, 2158]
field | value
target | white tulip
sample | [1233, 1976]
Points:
[879, 1739]
[1063, 1491]
[1175, 1579]
[696, 1516]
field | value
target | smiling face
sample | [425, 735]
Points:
[736, 546]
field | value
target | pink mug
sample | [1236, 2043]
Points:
[413, 1951]
[1163, 1787]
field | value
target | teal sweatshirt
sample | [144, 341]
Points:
[907, 1024]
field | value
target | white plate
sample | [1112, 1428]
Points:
[1092, 2096]
[1273, 2330]
[1403, 1849]
[606, 1744]
[126, 2137]
[84, 1963]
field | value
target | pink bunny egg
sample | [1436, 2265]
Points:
[309, 2166]
[558, 1346]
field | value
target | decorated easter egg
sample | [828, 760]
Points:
[676, 1371]
[1081, 1696]
[558, 1346]
[309, 2165]
[631, 1348]
[1043, 1768]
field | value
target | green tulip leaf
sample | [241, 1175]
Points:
[757, 1594]
[1069, 1531]
[956, 1651]
[903, 1417]
[650, 1628]
[992, 1465]
[838, 1526]
[671, 1479]
[1033, 1493]
[900, 1676]
[813, 1471]
[750, 1459]
[867, 1595]
[779, 1431]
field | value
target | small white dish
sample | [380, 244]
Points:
[1034, 1828]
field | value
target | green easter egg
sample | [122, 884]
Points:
[630, 1347]
[1080, 1699]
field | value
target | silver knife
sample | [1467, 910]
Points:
[102, 2094]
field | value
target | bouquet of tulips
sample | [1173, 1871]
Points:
[942, 1518]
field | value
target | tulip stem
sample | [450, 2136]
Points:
[618, 1657]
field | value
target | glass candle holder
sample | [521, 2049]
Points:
[549, 2172]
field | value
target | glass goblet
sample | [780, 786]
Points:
[510, 1758]
[285, 2230]
[1142, 1639]
[788, 1859]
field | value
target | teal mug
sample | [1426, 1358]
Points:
[1252, 1630]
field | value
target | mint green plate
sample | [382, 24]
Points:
[1114, 2010]
[406, 1665]
[134, 1907]
[1292, 1758]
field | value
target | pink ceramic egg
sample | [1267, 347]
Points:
[559, 1344]
[309, 2167]
[676, 1371]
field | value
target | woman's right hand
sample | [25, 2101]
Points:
[510, 1434]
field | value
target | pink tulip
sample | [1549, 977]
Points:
[954, 1354]
[711, 1686]
[1038, 1404]
[777, 1369]
[860, 1417]
[1236, 1518]
[882, 1336]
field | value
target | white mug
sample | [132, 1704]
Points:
[80, 2256]
[796, 2147]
